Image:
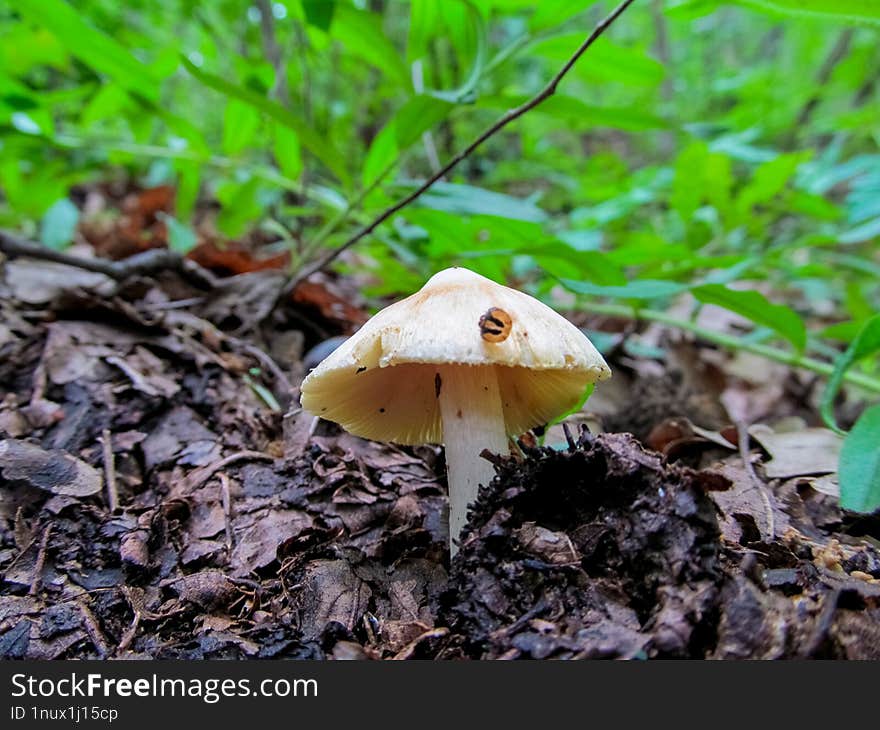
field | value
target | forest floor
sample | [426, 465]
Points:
[162, 496]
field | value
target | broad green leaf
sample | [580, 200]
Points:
[93, 47]
[241, 206]
[424, 18]
[287, 153]
[578, 114]
[605, 61]
[362, 35]
[769, 180]
[181, 238]
[189, 178]
[688, 188]
[594, 266]
[240, 124]
[312, 141]
[59, 224]
[867, 342]
[859, 470]
[459, 23]
[549, 13]
[864, 232]
[471, 200]
[319, 13]
[418, 115]
[852, 11]
[755, 307]
[637, 289]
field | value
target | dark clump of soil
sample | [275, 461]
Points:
[601, 551]
[607, 551]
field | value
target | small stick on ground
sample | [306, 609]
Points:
[37, 580]
[90, 623]
[742, 438]
[199, 476]
[131, 631]
[109, 470]
[227, 511]
[142, 264]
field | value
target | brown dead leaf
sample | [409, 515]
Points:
[331, 592]
[798, 453]
[41, 282]
[257, 546]
[53, 471]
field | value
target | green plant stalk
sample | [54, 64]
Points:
[735, 343]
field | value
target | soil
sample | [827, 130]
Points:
[162, 496]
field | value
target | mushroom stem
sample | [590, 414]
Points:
[473, 420]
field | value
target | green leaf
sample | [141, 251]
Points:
[594, 266]
[854, 11]
[241, 207]
[319, 13]
[93, 47]
[755, 307]
[688, 187]
[605, 61]
[362, 34]
[240, 124]
[859, 470]
[287, 152]
[188, 183]
[549, 13]
[579, 114]
[638, 289]
[769, 180]
[867, 342]
[181, 238]
[414, 118]
[471, 200]
[312, 141]
[59, 224]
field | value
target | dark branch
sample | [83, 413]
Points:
[142, 264]
[508, 117]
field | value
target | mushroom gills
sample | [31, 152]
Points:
[473, 420]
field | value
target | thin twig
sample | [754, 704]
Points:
[742, 440]
[227, 511]
[90, 623]
[109, 470]
[141, 264]
[37, 579]
[131, 631]
[198, 477]
[508, 117]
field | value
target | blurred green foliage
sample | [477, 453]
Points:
[698, 146]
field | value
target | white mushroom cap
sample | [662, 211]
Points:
[382, 383]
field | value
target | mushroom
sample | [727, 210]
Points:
[465, 362]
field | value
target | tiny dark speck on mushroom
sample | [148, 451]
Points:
[381, 410]
[361, 369]
[438, 383]
[459, 413]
